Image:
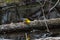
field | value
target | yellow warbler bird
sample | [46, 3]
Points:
[27, 21]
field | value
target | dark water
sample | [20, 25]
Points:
[32, 35]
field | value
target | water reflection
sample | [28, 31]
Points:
[35, 34]
[15, 36]
[24, 36]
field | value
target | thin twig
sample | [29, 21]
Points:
[45, 21]
[44, 16]
[54, 6]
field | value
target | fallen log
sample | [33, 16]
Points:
[35, 23]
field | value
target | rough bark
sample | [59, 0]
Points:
[35, 23]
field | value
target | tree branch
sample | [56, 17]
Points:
[35, 23]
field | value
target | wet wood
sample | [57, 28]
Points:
[35, 23]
